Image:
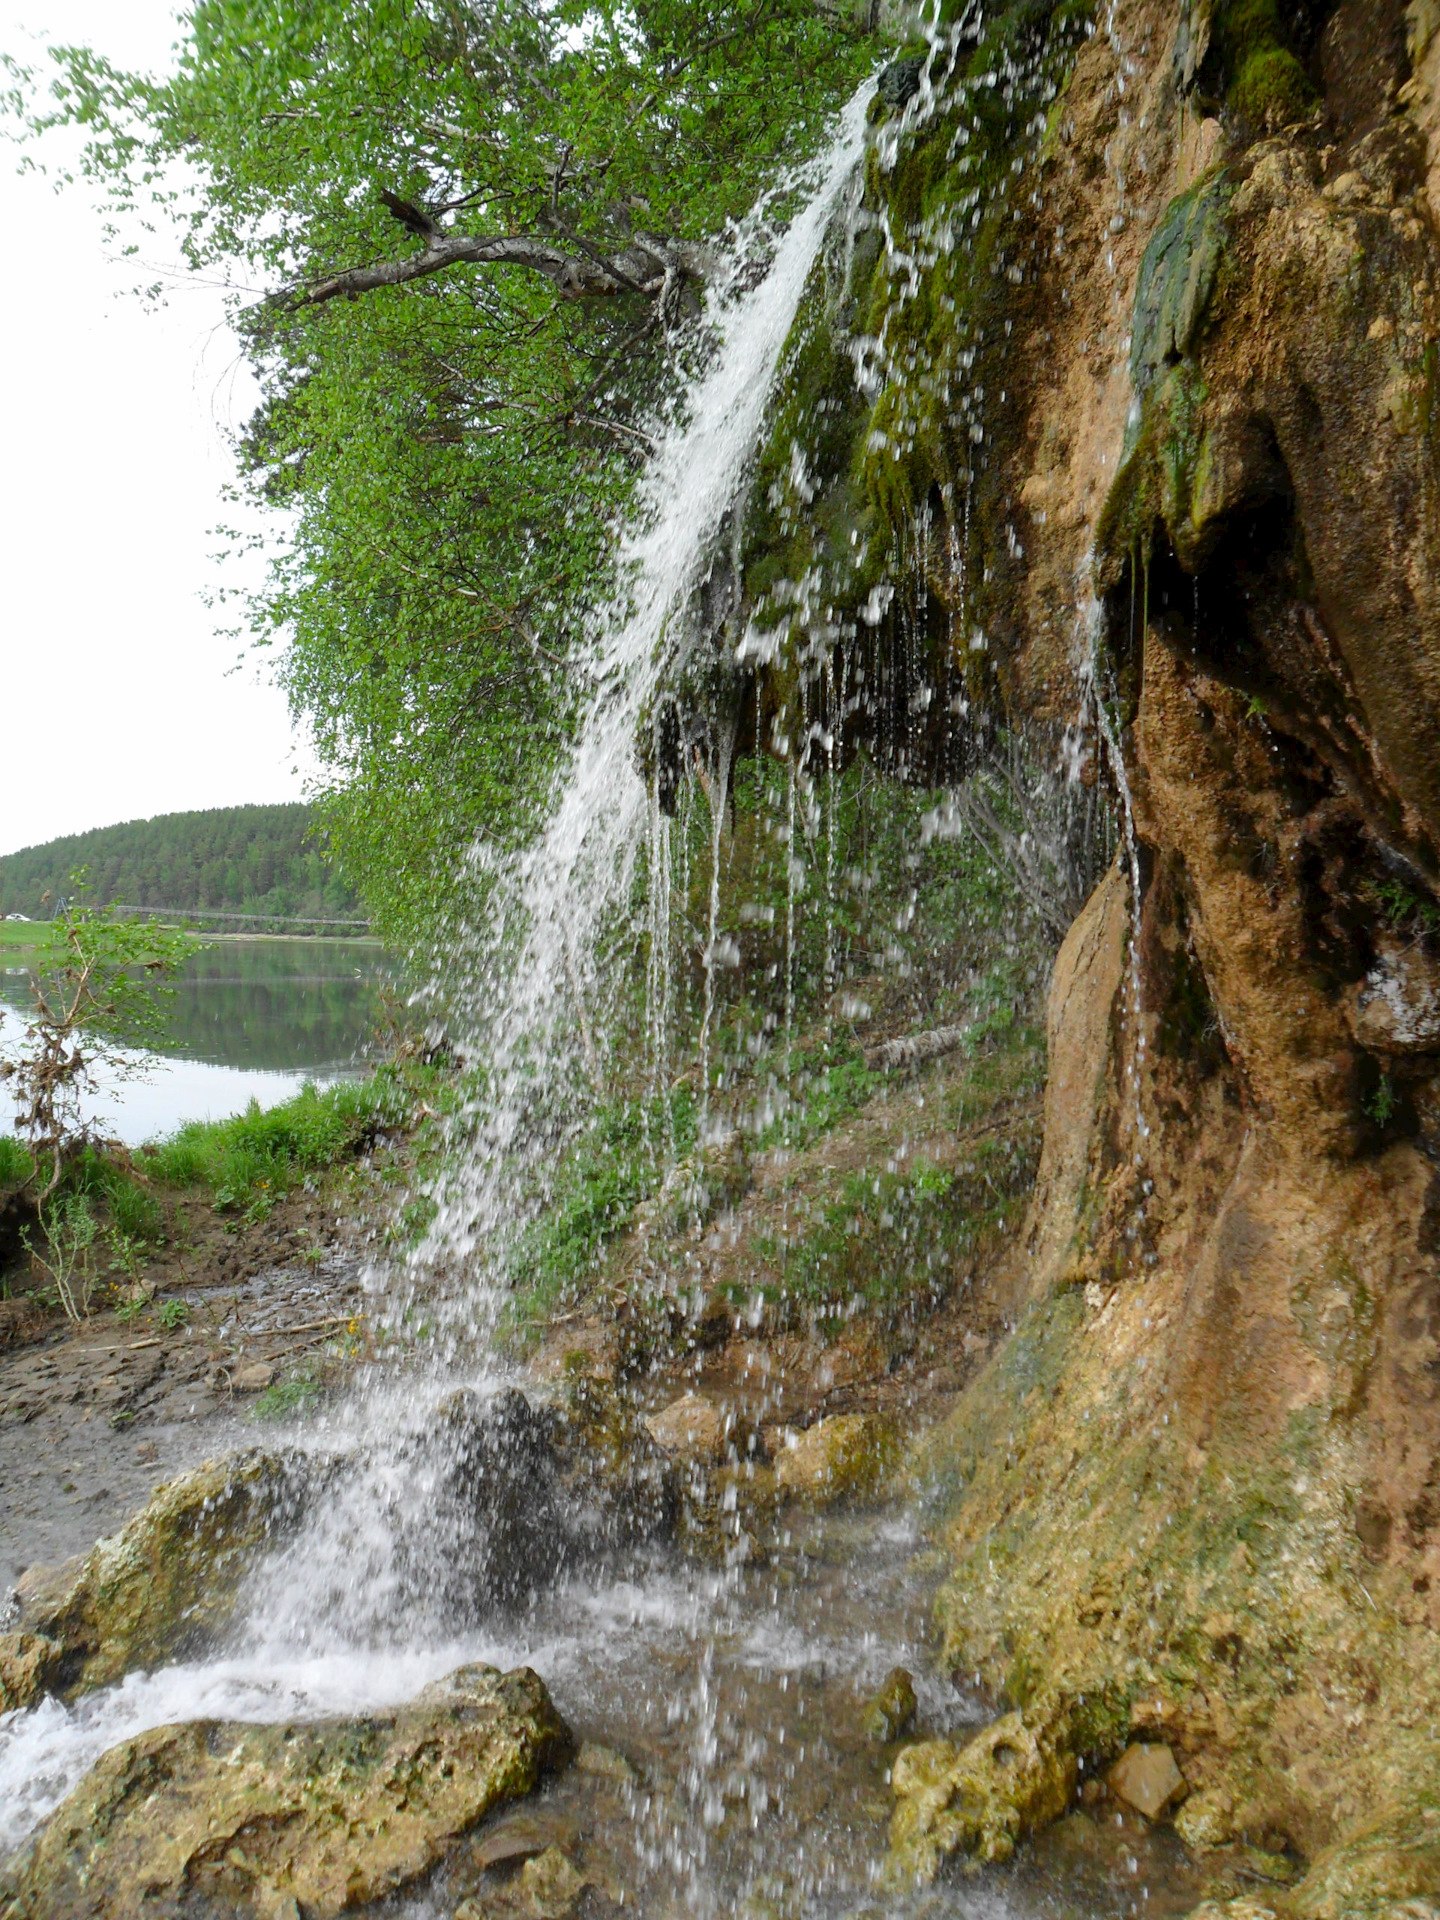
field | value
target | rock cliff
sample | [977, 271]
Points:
[1116, 427]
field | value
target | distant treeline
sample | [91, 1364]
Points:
[253, 863]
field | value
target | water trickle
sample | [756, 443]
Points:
[1096, 698]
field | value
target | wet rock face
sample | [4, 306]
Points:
[29, 1663]
[1222, 1379]
[316, 1819]
[846, 1457]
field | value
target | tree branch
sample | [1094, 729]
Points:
[639, 269]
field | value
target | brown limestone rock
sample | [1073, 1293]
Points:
[168, 1580]
[977, 1800]
[692, 1429]
[1088, 973]
[845, 1457]
[1387, 1870]
[1146, 1778]
[320, 1817]
[29, 1664]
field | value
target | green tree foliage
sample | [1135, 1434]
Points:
[475, 228]
[259, 861]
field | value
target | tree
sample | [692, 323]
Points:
[101, 996]
[468, 233]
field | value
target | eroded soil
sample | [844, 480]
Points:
[244, 1321]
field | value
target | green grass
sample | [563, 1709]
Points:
[253, 1160]
[618, 1161]
[884, 1238]
[29, 936]
[288, 1399]
[16, 1165]
[829, 1084]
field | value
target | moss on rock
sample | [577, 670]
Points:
[975, 1801]
[850, 1456]
[29, 1665]
[169, 1580]
[319, 1818]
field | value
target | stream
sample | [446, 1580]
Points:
[724, 1765]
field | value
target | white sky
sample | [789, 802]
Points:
[118, 697]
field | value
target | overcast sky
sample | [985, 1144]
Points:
[117, 684]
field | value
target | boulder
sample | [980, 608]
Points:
[255, 1378]
[891, 1710]
[168, 1581]
[1146, 1778]
[316, 1818]
[691, 1429]
[29, 1664]
[844, 1457]
[977, 1800]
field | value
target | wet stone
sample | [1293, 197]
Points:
[978, 1800]
[844, 1457]
[254, 1378]
[604, 1763]
[691, 1428]
[891, 1711]
[29, 1664]
[319, 1817]
[1146, 1778]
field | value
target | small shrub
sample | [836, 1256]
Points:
[68, 1229]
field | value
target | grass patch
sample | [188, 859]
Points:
[288, 1399]
[16, 1164]
[829, 1084]
[617, 1162]
[884, 1238]
[253, 1160]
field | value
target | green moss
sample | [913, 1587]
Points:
[846, 476]
[1272, 89]
[1266, 84]
[603, 1176]
[1163, 478]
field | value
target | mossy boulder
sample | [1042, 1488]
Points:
[977, 1801]
[169, 1581]
[891, 1709]
[317, 1818]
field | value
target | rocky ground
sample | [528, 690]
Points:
[246, 1321]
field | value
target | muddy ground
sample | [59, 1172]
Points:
[246, 1321]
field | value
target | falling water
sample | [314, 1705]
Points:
[555, 899]
[360, 1609]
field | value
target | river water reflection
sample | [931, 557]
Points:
[251, 1019]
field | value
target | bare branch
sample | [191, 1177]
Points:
[639, 269]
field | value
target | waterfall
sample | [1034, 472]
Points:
[548, 907]
[361, 1606]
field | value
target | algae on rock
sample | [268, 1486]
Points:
[975, 1801]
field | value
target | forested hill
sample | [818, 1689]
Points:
[242, 861]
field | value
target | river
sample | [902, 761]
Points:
[250, 1019]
